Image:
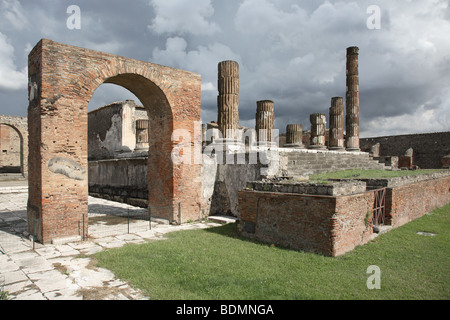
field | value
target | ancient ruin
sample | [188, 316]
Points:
[228, 99]
[294, 135]
[60, 90]
[318, 127]
[352, 100]
[337, 124]
[264, 121]
[13, 145]
[132, 154]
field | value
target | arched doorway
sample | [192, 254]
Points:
[63, 79]
[13, 145]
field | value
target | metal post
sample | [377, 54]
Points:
[150, 217]
[128, 219]
[83, 230]
[34, 232]
[179, 213]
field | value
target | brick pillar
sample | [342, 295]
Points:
[265, 119]
[337, 124]
[352, 100]
[294, 134]
[141, 135]
[228, 99]
[318, 129]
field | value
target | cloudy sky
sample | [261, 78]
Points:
[291, 52]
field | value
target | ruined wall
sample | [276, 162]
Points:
[320, 224]
[10, 150]
[407, 202]
[429, 148]
[13, 144]
[62, 80]
[122, 180]
[221, 183]
[333, 225]
[112, 130]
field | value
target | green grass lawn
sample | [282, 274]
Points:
[370, 174]
[217, 264]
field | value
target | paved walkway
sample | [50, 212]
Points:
[65, 271]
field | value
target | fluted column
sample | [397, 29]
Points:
[264, 121]
[352, 100]
[228, 99]
[294, 135]
[337, 124]
[318, 130]
[142, 135]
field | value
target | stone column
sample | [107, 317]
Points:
[141, 135]
[228, 99]
[264, 121]
[337, 124]
[318, 130]
[352, 100]
[294, 135]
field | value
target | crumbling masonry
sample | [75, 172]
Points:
[332, 219]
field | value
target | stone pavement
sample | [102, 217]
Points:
[65, 271]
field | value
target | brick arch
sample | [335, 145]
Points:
[19, 124]
[63, 79]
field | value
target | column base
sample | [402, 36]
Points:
[336, 149]
[267, 144]
[230, 145]
[315, 147]
[353, 149]
[294, 146]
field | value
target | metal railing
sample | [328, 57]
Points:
[379, 206]
[110, 219]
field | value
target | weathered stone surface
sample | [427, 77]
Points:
[228, 99]
[294, 135]
[429, 148]
[352, 100]
[445, 162]
[66, 78]
[68, 167]
[336, 131]
[141, 135]
[318, 127]
[14, 139]
[265, 119]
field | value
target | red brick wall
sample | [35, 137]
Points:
[67, 77]
[321, 224]
[409, 202]
[333, 225]
[352, 222]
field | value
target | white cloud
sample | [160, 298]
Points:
[183, 17]
[203, 59]
[12, 15]
[423, 120]
[261, 17]
[10, 77]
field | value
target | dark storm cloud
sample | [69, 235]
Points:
[292, 52]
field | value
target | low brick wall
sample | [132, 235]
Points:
[122, 180]
[333, 188]
[327, 225]
[407, 202]
[334, 225]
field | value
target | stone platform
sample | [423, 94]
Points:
[306, 162]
